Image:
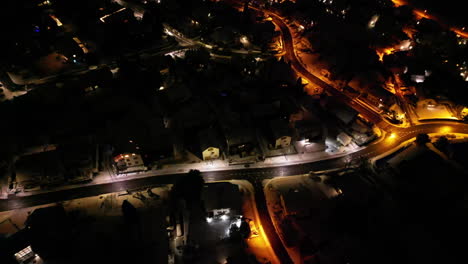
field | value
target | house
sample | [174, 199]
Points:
[129, 162]
[161, 141]
[241, 141]
[16, 248]
[308, 130]
[380, 96]
[280, 134]
[240, 136]
[344, 139]
[222, 198]
[67, 162]
[343, 112]
[210, 144]
[50, 231]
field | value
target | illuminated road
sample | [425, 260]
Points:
[290, 56]
[424, 14]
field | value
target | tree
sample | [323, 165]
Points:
[50, 232]
[422, 139]
[189, 187]
[442, 144]
[129, 212]
[244, 229]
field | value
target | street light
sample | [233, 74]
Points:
[445, 129]
[244, 40]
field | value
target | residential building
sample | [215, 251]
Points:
[308, 131]
[239, 134]
[16, 248]
[343, 112]
[128, 162]
[210, 144]
[344, 139]
[281, 134]
[56, 165]
[380, 97]
[241, 141]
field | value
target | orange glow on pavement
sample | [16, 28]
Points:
[386, 51]
[398, 3]
[261, 242]
[460, 32]
[409, 32]
[421, 14]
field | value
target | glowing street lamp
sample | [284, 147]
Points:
[244, 40]
[445, 129]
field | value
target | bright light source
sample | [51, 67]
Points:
[392, 136]
[57, 21]
[445, 129]
[103, 18]
[373, 21]
[244, 40]
[161, 88]
[238, 223]
[224, 217]
[209, 219]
